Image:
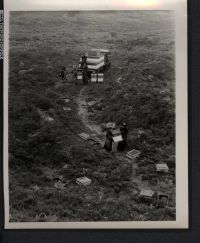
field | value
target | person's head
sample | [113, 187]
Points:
[124, 124]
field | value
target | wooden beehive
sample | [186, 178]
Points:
[162, 168]
[93, 77]
[100, 77]
[117, 137]
[147, 194]
[84, 181]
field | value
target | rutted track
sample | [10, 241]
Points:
[95, 130]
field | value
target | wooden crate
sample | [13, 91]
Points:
[162, 200]
[133, 154]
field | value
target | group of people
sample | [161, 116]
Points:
[83, 68]
[109, 139]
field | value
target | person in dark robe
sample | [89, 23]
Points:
[83, 61]
[85, 73]
[74, 74]
[109, 141]
[124, 132]
[63, 73]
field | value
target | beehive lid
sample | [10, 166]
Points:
[146, 194]
[91, 103]
[93, 53]
[162, 167]
[83, 181]
[133, 153]
[105, 51]
[84, 136]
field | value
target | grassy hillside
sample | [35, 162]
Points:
[139, 89]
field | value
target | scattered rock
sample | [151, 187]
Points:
[119, 80]
[66, 166]
[41, 217]
[91, 103]
[59, 185]
[67, 100]
[49, 68]
[51, 218]
[45, 116]
[36, 188]
[23, 72]
[21, 64]
[99, 176]
[67, 109]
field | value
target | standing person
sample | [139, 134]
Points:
[124, 132]
[109, 140]
[74, 74]
[84, 60]
[63, 73]
[84, 73]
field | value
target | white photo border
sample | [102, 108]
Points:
[180, 8]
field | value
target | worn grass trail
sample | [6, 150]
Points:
[91, 127]
[96, 131]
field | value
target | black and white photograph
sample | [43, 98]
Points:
[92, 117]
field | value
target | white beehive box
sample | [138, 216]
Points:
[93, 77]
[84, 181]
[79, 76]
[100, 77]
[146, 194]
[117, 139]
[162, 168]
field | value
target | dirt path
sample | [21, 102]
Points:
[92, 128]
[96, 131]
